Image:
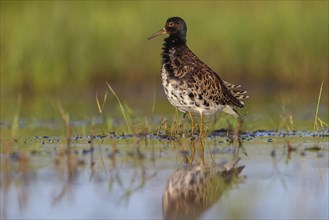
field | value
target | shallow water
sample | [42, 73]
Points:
[125, 176]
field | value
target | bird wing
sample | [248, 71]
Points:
[208, 83]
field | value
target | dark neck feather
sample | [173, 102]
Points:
[176, 39]
[171, 42]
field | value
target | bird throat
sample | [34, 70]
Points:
[171, 47]
[175, 40]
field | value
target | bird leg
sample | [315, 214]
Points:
[236, 137]
[192, 124]
[201, 125]
[192, 152]
[237, 129]
[201, 152]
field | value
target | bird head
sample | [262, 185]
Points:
[175, 26]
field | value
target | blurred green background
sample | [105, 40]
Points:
[64, 51]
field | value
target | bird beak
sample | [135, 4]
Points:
[162, 31]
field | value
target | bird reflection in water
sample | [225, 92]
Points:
[197, 185]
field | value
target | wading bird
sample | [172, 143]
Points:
[189, 84]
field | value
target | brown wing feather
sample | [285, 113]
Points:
[208, 82]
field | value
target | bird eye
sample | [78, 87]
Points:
[171, 24]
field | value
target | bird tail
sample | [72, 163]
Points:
[238, 94]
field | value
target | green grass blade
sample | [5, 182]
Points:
[315, 126]
[121, 106]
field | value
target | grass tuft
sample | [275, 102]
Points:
[66, 118]
[121, 106]
[317, 119]
[14, 124]
[99, 106]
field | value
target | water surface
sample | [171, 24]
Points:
[125, 176]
